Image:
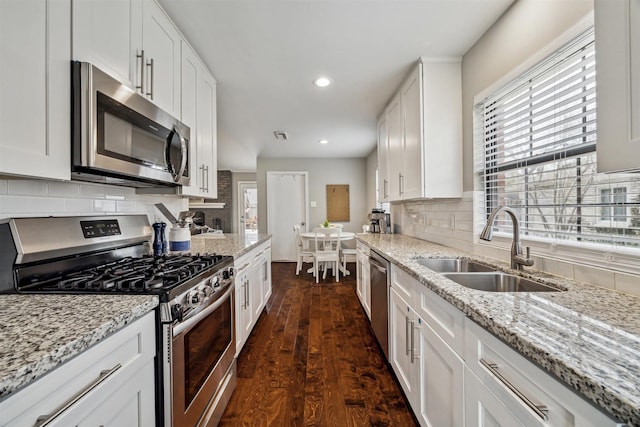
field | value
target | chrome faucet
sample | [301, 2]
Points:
[517, 259]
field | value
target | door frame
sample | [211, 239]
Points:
[240, 203]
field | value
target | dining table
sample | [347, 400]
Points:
[344, 236]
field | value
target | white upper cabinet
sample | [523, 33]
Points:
[34, 88]
[133, 41]
[161, 43]
[108, 34]
[383, 162]
[617, 31]
[207, 136]
[424, 134]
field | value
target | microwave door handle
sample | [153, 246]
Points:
[176, 174]
[183, 157]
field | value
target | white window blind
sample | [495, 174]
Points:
[539, 138]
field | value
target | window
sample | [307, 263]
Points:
[538, 144]
[613, 201]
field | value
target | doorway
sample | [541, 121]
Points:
[287, 201]
[247, 209]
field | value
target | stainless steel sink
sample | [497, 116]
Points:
[498, 282]
[453, 265]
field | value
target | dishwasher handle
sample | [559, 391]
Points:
[376, 264]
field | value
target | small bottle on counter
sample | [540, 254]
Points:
[159, 241]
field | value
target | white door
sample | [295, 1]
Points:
[287, 203]
[247, 208]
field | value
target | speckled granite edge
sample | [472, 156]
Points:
[228, 244]
[41, 332]
[610, 380]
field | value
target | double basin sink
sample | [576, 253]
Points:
[482, 277]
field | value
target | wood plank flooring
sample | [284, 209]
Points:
[312, 360]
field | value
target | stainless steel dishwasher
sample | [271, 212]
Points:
[379, 274]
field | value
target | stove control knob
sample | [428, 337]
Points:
[177, 313]
[225, 274]
[194, 297]
[230, 271]
[205, 289]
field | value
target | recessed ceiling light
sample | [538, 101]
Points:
[323, 141]
[322, 82]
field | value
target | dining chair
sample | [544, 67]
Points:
[327, 245]
[305, 253]
[347, 255]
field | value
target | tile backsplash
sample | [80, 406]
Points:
[30, 197]
[450, 222]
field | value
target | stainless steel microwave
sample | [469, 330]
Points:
[120, 137]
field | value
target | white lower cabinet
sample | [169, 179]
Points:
[532, 396]
[244, 312]
[363, 282]
[483, 408]
[430, 372]
[110, 384]
[253, 289]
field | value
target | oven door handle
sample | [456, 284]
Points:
[192, 321]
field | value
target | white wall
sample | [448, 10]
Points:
[321, 173]
[31, 197]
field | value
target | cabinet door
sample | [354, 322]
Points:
[483, 408]
[440, 380]
[207, 135]
[266, 265]
[191, 73]
[394, 129]
[412, 174]
[243, 310]
[366, 287]
[35, 46]
[133, 404]
[257, 294]
[108, 34]
[400, 324]
[618, 95]
[383, 159]
[161, 44]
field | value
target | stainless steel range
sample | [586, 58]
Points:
[196, 331]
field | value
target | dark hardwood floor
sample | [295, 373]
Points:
[311, 360]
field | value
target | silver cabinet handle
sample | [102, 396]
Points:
[201, 188]
[400, 183]
[206, 168]
[541, 410]
[413, 342]
[140, 56]
[384, 188]
[44, 420]
[246, 290]
[150, 65]
[407, 343]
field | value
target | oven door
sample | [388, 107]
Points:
[203, 350]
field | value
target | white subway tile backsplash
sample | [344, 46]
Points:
[46, 205]
[627, 283]
[553, 266]
[92, 191]
[3, 186]
[103, 206]
[27, 187]
[64, 189]
[593, 275]
[13, 204]
[126, 206]
[78, 206]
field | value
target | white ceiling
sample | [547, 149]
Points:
[266, 53]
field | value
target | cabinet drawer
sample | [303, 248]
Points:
[363, 248]
[446, 320]
[115, 359]
[405, 285]
[522, 386]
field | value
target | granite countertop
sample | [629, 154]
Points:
[40, 332]
[587, 337]
[226, 244]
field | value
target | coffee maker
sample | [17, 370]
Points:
[379, 221]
